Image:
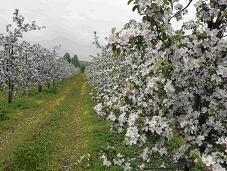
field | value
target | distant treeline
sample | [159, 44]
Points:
[75, 61]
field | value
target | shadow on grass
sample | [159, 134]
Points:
[46, 93]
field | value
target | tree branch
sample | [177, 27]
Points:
[190, 1]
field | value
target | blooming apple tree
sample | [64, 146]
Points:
[159, 85]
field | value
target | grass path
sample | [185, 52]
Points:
[53, 135]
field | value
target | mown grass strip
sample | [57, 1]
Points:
[46, 147]
[24, 122]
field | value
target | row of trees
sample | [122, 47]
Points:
[23, 65]
[165, 90]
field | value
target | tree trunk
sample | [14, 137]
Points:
[39, 88]
[10, 91]
[10, 83]
[197, 102]
[186, 168]
[48, 85]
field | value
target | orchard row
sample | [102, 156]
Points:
[165, 90]
[23, 66]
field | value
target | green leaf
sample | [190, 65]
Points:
[113, 30]
[171, 3]
[129, 2]
[135, 7]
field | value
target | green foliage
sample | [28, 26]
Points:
[175, 143]
[196, 154]
[199, 167]
[75, 61]
[164, 67]
[202, 35]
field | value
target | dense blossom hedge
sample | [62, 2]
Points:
[23, 65]
[161, 86]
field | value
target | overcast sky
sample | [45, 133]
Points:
[69, 22]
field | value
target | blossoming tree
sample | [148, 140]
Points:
[157, 83]
[23, 65]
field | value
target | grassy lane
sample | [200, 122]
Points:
[55, 131]
[23, 122]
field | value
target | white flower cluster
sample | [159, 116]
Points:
[106, 162]
[85, 161]
[158, 125]
[156, 84]
[118, 161]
